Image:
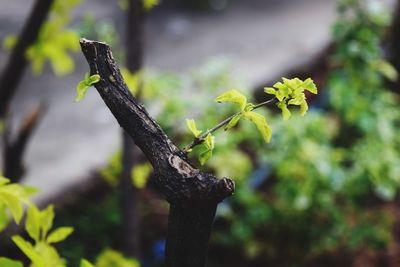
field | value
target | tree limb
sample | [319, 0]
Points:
[193, 194]
[14, 148]
[16, 63]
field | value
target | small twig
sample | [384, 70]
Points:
[199, 140]
[14, 148]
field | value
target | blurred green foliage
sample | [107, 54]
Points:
[332, 172]
[54, 42]
[39, 228]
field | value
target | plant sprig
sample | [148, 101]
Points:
[84, 85]
[288, 92]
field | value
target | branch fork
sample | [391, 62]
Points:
[192, 194]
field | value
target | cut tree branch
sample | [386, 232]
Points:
[192, 194]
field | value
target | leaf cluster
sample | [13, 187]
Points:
[291, 92]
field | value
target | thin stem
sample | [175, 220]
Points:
[199, 140]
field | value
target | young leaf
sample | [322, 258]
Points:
[9, 42]
[149, 4]
[270, 90]
[46, 219]
[59, 234]
[85, 263]
[233, 96]
[32, 224]
[205, 156]
[132, 80]
[261, 124]
[28, 250]
[13, 203]
[94, 79]
[140, 175]
[233, 122]
[303, 108]
[3, 218]
[209, 142]
[297, 100]
[386, 69]
[4, 262]
[84, 85]
[81, 90]
[310, 86]
[192, 127]
[285, 111]
[3, 180]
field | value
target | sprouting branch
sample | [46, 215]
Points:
[201, 139]
[168, 161]
[193, 194]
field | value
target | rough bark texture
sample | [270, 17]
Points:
[16, 63]
[130, 152]
[192, 194]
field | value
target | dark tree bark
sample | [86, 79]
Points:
[17, 62]
[14, 148]
[130, 152]
[193, 195]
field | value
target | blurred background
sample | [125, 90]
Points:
[323, 192]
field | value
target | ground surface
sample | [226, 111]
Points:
[263, 38]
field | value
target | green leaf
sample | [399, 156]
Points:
[85, 263]
[303, 108]
[233, 121]
[205, 156]
[94, 79]
[46, 219]
[285, 111]
[13, 203]
[261, 124]
[132, 80]
[140, 175]
[3, 180]
[62, 63]
[270, 90]
[84, 85]
[3, 217]
[149, 4]
[9, 42]
[233, 96]
[59, 234]
[32, 224]
[28, 250]
[209, 141]
[110, 258]
[81, 90]
[192, 127]
[386, 69]
[310, 86]
[4, 262]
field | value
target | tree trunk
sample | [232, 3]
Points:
[131, 153]
[129, 199]
[192, 194]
